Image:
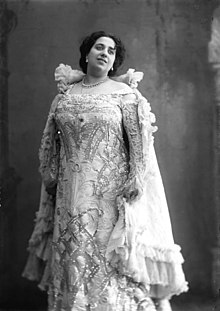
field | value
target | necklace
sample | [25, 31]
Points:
[94, 84]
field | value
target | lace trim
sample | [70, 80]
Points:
[37, 266]
[152, 265]
[113, 93]
[137, 120]
[49, 149]
[141, 243]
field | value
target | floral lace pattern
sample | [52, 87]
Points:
[96, 173]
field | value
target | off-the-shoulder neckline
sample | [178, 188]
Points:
[116, 92]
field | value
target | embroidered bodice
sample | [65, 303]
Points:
[93, 125]
[103, 231]
[96, 168]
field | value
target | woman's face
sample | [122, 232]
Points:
[102, 55]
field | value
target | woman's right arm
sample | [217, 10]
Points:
[49, 149]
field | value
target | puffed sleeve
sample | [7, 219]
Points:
[137, 122]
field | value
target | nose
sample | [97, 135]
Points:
[104, 53]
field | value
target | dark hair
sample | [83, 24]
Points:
[88, 43]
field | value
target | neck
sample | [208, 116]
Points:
[95, 75]
[90, 79]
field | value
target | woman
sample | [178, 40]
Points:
[102, 239]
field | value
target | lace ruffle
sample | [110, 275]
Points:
[146, 119]
[37, 266]
[137, 120]
[146, 252]
[49, 150]
[141, 244]
[65, 76]
[38, 263]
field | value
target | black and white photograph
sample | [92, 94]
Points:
[109, 155]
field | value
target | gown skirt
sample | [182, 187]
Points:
[92, 249]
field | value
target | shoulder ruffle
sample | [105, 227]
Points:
[65, 76]
[146, 120]
[131, 78]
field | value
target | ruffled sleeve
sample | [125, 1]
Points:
[49, 150]
[37, 267]
[38, 264]
[137, 121]
[141, 244]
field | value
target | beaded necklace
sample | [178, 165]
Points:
[94, 84]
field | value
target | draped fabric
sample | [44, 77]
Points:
[103, 238]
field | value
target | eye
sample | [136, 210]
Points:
[99, 47]
[111, 51]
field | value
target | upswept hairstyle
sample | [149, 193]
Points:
[88, 43]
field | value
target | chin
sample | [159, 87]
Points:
[102, 69]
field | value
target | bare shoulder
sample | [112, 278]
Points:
[128, 92]
[116, 85]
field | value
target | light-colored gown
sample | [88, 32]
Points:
[91, 248]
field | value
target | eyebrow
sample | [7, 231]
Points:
[110, 47]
